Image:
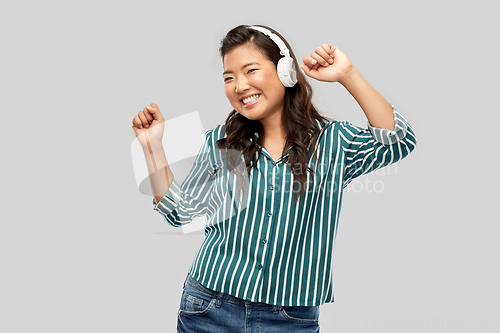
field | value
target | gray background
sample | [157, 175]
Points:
[81, 249]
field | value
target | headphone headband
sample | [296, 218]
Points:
[283, 49]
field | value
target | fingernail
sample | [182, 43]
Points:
[330, 61]
[147, 126]
[313, 61]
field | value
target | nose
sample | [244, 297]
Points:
[241, 85]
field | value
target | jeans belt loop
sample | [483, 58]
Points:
[219, 301]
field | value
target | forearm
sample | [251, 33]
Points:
[377, 110]
[160, 175]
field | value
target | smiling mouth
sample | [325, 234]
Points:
[250, 101]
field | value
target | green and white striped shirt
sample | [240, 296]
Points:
[268, 247]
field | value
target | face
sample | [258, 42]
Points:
[252, 85]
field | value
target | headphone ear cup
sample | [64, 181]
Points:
[287, 72]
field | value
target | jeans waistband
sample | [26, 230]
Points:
[191, 282]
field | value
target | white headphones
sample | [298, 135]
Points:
[286, 68]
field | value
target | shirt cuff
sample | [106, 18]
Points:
[388, 137]
[170, 200]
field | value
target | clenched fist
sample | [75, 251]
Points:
[327, 63]
[148, 125]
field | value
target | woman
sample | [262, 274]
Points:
[265, 262]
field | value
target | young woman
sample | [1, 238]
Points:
[265, 262]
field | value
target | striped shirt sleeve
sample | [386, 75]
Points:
[372, 148]
[388, 137]
[182, 203]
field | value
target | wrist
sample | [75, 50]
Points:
[152, 146]
[350, 75]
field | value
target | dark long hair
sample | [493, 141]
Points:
[298, 112]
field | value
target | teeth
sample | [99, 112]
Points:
[251, 99]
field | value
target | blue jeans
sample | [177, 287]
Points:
[205, 310]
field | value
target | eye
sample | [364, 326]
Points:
[251, 70]
[227, 78]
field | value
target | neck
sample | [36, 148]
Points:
[273, 128]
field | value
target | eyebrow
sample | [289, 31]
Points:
[244, 66]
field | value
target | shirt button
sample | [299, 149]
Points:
[260, 266]
[264, 241]
[271, 187]
[269, 213]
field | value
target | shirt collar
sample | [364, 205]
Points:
[316, 121]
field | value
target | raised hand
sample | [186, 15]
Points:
[327, 63]
[148, 125]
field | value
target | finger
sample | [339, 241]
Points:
[155, 112]
[320, 59]
[309, 61]
[148, 115]
[137, 122]
[153, 107]
[142, 117]
[324, 54]
[152, 112]
[305, 68]
[308, 71]
[333, 48]
[328, 49]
